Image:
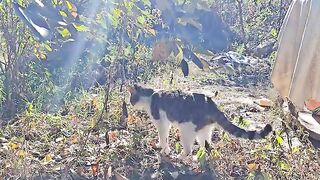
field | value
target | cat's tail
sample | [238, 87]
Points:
[223, 121]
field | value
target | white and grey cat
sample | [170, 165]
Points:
[193, 114]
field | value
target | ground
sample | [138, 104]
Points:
[43, 146]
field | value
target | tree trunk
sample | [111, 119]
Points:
[240, 2]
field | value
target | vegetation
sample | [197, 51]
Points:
[63, 88]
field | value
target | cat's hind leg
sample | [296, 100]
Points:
[204, 135]
[163, 127]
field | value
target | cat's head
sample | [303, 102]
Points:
[140, 97]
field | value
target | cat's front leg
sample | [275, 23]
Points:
[163, 127]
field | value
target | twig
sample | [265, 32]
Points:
[105, 108]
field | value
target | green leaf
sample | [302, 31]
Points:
[146, 3]
[279, 139]
[201, 156]
[128, 5]
[283, 165]
[29, 109]
[64, 32]
[55, 2]
[114, 17]
[80, 28]
[48, 47]
[178, 147]
[116, 13]
[69, 5]
[274, 33]
[1, 9]
[200, 152]
[141, 20]
[62, 13]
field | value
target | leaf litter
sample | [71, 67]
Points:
[52, 146]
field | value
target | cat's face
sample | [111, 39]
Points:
[140, 97]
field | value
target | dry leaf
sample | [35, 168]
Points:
[95, 168]
[153, 144]
[112, 136]
[131, 120]
[73, 139]
[264, 102]
[13, 146]
[22, 153]
[161, 51]
[48, 158]
[74, 14]
[152, 31]
[312, 104]
[252, 166]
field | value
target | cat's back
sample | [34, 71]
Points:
[185, 103]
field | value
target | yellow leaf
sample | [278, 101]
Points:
[95, 102]
[13, 146]
[152, 31]
[48, 158]
[22, 153]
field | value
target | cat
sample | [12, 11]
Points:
[193, 114]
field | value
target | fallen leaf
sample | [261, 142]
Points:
[95, 102]
[95, 168]
[264, 102]
[22, 153]
[252, 166]
[312, 104]
[152, 31]
[73, 139]
[131, 120]
[153, 144]
[112, 136]
[13, 146]
[48, 158]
